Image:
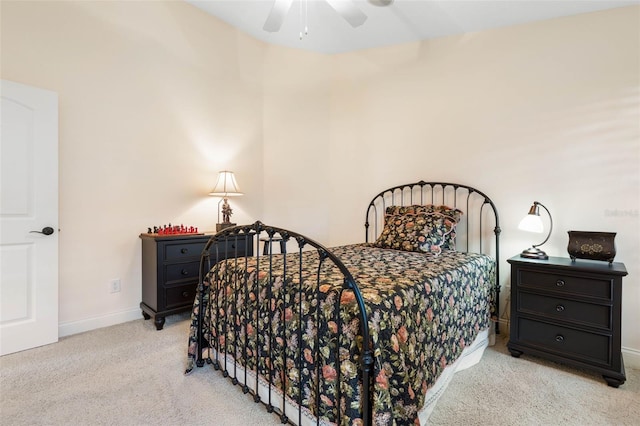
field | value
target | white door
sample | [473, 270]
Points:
[28, 202]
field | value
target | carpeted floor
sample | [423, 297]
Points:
[131, 374]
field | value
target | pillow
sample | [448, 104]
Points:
[426, 208]
[437, 231]
[452, 212]
[421, 232]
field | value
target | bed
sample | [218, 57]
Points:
[361, 334]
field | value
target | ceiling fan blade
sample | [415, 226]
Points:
[276, 15]
[349, 11]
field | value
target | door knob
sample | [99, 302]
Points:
[47, 230]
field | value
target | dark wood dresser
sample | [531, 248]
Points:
[170, 267]
[569, 312]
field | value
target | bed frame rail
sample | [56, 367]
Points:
[473, 232]
[236, 287]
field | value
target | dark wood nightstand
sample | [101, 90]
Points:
[569, 312]
[170, 268]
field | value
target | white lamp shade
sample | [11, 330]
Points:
[226, 186]
[531, 223]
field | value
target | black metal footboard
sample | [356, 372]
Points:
[253, 314]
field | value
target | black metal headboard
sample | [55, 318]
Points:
[475, 232]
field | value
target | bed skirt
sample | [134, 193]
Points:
[470, 356]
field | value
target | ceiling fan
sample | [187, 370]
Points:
[345, 8]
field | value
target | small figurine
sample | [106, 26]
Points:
[173, 229]
[226, 213]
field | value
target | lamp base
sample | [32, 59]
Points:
[224, 225]
[534, 253]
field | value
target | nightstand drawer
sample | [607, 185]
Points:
[582, 286]
[183, 250]
[593, 348]
[589, 314]
[180, 295]
[182, 271]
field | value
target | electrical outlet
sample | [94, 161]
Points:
[114, 286]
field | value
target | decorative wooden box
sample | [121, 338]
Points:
[592, 245]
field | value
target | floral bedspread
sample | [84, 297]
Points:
[422, 311]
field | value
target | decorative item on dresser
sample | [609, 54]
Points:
[592, 245]
[226, 187]
[170, 266]
[569, 312]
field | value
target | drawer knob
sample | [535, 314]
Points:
[560, 308]
[184, 250]
[560, 338]
[560, 283]
[185, 293]
[184, 272]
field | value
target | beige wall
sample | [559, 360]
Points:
[544, 112]
[296, 134]
[155, 99]
[152, 107]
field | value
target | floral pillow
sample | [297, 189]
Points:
[421, 232]
[454, 214]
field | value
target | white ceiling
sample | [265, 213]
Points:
[401, 22]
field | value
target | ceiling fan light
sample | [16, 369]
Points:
[349, 11]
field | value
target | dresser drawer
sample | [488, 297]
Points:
[182, 271]
[183, 250]
[180, 295]
[577, 344]
[575, 285]
[590, 314]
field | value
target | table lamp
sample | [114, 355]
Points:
[226, 187]
[533, 223]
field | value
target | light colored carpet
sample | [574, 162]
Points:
[131, 374]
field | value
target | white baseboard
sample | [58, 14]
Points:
[631, 358]
[88, 324]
